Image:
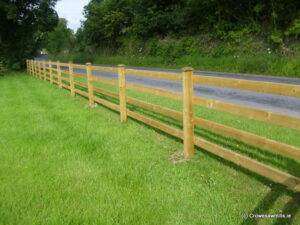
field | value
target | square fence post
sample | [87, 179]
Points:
[59, 74]
[188, 115]
[40, 69]
[34, 69]
[50, 72]
[72, 86]
[44, 70]
[27, 66]
[122, 93]
[31, 67]
[90, 84]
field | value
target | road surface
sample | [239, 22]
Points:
[274, 103]
[269, 102]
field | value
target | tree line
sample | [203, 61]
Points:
[113, 24]
[31, 25]
[109, 20]
[23, 29]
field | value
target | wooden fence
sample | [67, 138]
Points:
[52, 72]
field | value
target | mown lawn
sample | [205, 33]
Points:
[63, 163]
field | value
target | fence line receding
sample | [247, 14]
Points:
[65, 75]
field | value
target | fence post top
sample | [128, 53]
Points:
[187, 69]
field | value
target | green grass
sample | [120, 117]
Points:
[261, 64]
[278, 133]
[265, 64]
[63, 163]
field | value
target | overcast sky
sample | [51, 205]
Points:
[72, 10]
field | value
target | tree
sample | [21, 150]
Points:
[23, 25]
[61, 39]
[109, 21]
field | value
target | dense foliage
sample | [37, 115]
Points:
[61, 39]
[235, 36]
[108, 22]
[23, 25]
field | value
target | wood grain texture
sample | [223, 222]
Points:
[72, 85]
[122, 93]
[82, 93]
[250, 138]
[90, 84]
[156, 124]
[105, 69]
[82, 84]
[249, 85]
[155, 74]
[188, 114]
[77, 75]
[112, 82]
[59, 74]
[105, 92]
[155, 91]
[107, 104]
[156, 108]
[251, 113]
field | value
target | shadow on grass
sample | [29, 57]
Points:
[290, 208]
[285, 163]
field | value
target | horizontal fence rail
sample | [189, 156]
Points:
[63, 75]
[250, 85]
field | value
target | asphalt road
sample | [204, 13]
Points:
[274, 103]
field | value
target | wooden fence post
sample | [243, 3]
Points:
[44, 70]
[59, 74]
[27, 66]
[90, 84]
[31, 67]
[50, 72]
[39, 69]
[188, 117]
[35, 69]
[122, 93]
[72, 87]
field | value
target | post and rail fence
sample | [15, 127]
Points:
[53, 72]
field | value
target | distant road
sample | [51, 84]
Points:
[274, 103]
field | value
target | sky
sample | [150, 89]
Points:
[72, 10]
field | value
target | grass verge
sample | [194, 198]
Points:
[63, 163]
